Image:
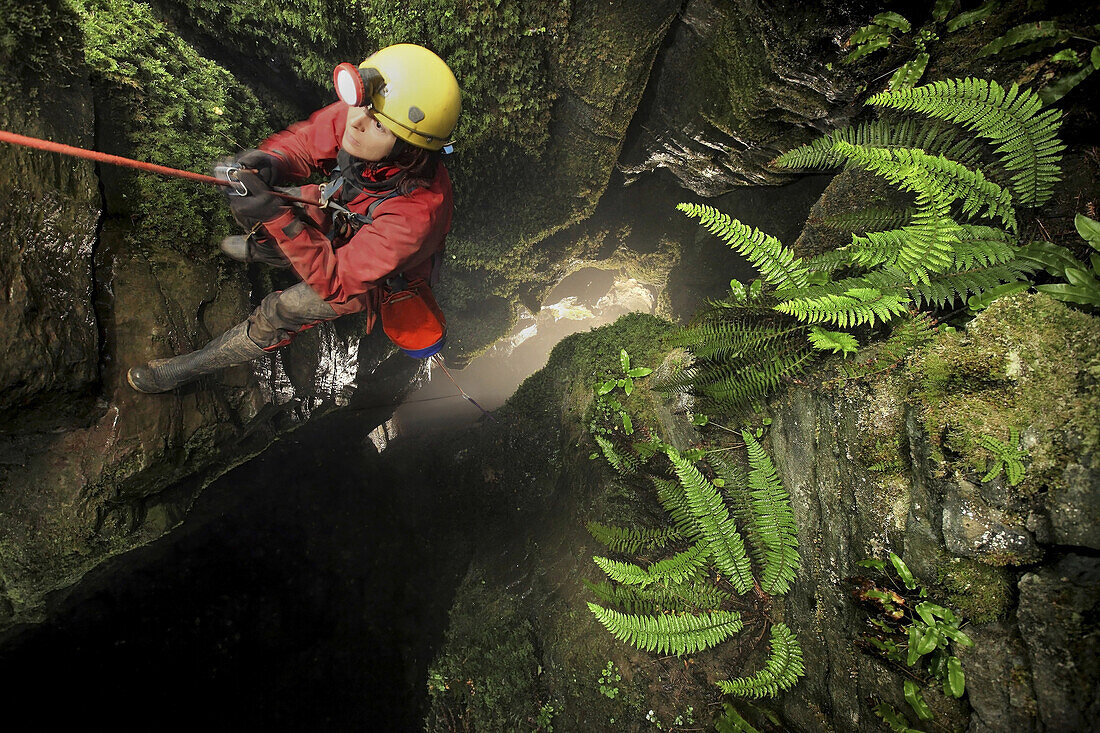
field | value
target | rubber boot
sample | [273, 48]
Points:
[245, 248]
[163, 375]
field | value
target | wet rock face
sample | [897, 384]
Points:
[738, 83]
[49, 213]
[1059, 606]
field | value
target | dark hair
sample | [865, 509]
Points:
[417, 167]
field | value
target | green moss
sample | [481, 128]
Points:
[1027, 363]
[585, 358]
[487, 672]
[169, 106]
[979, 592]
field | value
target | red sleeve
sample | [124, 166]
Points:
[310, 145]
[394, 241]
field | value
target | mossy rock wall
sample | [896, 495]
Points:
[107, 268]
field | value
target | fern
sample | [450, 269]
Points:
[854, 307]
[676, 569]
[736, 386]
[736, 490]
[931, 136]
[776, 263]
[781, 670]
[672, 498]
[909, 334]
[1007, 457]
[625, 464]
[981, 245]
[659, 596]
[629, 540]
[925, 245]
[1011, 119]
[734, 336]
[943, 289]
[864, 220]
[914, 169]
[723, 541]
[839, 342]
[772, 518]
[668, 634]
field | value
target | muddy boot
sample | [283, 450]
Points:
[243, 248]
[162, 375]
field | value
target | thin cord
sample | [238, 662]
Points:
[439, 362]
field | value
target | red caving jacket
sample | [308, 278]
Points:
[406, 232]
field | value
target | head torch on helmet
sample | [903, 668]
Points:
[411, 91]
[356, 86]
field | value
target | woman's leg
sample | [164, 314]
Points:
[277, 320]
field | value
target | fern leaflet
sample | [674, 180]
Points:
[781, 671]
[629, 540]
[1011, 119]
[711, 516]
[772, 519]
[668, 634]
[675, 569]
[776, 263]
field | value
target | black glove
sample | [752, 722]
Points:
[258, 206]
[268, 167]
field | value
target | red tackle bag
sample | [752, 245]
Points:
[412, 319]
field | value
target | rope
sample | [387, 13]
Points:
[52, 147]
[439, 362]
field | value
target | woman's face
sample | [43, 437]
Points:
[365, 137]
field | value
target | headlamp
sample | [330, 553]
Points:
[356, 86]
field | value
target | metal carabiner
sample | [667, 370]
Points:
[228, 173]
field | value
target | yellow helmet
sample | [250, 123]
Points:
[410, 90]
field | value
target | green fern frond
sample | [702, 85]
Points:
[932, 136]
[736, 489]
[871, 219]
[772, 518]
[946, 288]
[676, 569]
[927, 243]
[629, 540]
[907, 335]
[1008, 457]
[776, 263]
[624, 463]
[626, 573]
[659, 597]
[983, 246]
[738, 386]
[734, 336]
[668, 634]
[723, 541]
[1011, 119]
[839, 342]
[854, 307]
[956, 181]
[781, 671]
[672, 498]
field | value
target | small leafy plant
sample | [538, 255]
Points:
[913, 633]
[894, 30]
[609, 679]
[1081, 286]
[1008, 458]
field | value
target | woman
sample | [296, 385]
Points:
[390, 207]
